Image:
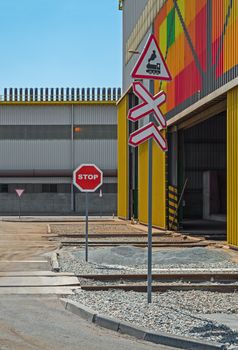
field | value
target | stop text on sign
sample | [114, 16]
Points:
[87, 177]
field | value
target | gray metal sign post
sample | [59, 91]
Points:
[19, 207]
[150, 189]
[86, 226]
[150, 179]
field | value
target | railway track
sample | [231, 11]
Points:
[181, 244]
[216, 282]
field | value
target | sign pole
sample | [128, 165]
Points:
[150, 189]
[19, 205]
[86, 230]
[150, 177]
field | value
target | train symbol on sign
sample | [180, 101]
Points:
[153, 68]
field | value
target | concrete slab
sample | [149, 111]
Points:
[23, 265]
[229, 320]
[35, 273]
[131, 256]
[38, 281]
[36, 290]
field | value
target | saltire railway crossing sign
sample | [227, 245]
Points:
[150, 65]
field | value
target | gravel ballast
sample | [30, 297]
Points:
[183, 313]
[176, 313]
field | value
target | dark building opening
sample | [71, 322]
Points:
[203, 164]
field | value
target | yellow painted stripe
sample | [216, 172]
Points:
[123, 181]
[173, 189]
[173, 196]
[171, 218]
[172, 211]
[232, 167]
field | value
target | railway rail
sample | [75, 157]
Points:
[181, 244]
[225, 282]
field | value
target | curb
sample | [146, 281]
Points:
[137, 332]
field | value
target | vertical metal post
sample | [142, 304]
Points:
[19, 205]
[86, 226]
[72, 156]
[150, 178]
[150, 172]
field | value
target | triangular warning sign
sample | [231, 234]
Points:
[19, 191]
[151, 64]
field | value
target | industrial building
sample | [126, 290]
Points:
[198, 40]
[44, 135]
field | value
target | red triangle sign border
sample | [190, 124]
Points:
[134, 74]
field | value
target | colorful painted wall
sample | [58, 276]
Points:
[198, 39]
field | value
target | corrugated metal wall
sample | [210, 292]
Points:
[123, 171]
[232, 167]
[127, 69]
[132, 10]
[35, 115]
[159, 186]
[95, 114]
[20, 154]
[45, 154]
[101, 152]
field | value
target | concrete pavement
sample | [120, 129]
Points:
[40, 322]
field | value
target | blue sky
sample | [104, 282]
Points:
[60, 43]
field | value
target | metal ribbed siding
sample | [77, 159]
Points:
[21, 154]
[232, 167]
[57, 115]
[35, 180]
[101, 152]
[127, 69]
[34, 115]
[132, 10]
[95, 114]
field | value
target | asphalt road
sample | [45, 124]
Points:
[41, 323]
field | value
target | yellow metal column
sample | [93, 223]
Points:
[232, 167]
[159, 186]
[123, 181]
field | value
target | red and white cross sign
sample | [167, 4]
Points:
[150, 105]
[145, 133]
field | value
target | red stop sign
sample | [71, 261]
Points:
[87, 177]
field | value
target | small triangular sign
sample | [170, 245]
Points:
[19, 191]
[151, 64]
